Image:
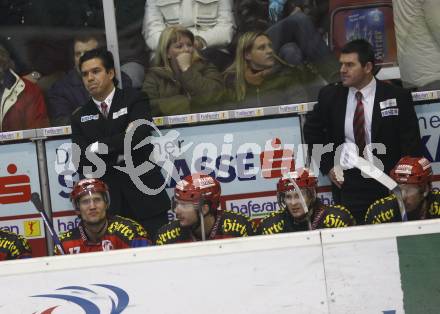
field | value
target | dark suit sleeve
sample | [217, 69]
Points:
[316, 130]
[138, 109]
[410, 142]
[77, 135]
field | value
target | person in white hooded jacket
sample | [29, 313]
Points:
[417, 24]
[211, 22]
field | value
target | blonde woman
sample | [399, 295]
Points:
[259, 78]
[181, 81]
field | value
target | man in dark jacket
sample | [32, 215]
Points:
[69, 92]
[365, 115]
[104, 121]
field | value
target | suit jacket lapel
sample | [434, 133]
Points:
[341, 107]
[116, 103]
[377, 119]
[91, 107]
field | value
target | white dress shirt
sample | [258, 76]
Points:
[108, 100]
[368, 93]
[349, 155]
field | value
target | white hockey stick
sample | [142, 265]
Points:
[372, 171]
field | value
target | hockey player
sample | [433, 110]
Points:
[196, 204]
[13, 246]
[414, 175]
[294, 216]
[97, 231]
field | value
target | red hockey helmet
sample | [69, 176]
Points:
[303, 177]
[197, 188]
[87, 186]
[412, 170]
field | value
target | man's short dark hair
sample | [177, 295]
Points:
[104, 55]
[86, 37]
[363, 48]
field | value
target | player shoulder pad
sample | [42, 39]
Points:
[229, 212]
[126, 228]
[66, 235]
[133, 224]
[336, 216]
[237, 224]
[274, 216]
[273, 223]
[434, 206]
[168, 233]
[383, 210]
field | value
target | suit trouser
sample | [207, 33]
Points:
[128, 201]
[358, 193]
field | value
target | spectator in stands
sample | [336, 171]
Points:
[97, 230]
[294, 215]
[106, 119]
[129, 15]
[196, 204]
[40, 42]
[418, 42]
[414, 176]
[212, 24]
[258, 78]
[251, 15]
[69, 92]
[14, 246]
[296, 39]
[181, 81]
[22, 103]
[360, 112]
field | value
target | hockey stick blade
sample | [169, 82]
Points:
[372, 171]
[35, 199]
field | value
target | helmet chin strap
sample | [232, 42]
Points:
[200, 221]
[303, 203]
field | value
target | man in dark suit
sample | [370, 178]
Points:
[105, 119]
[361, 113]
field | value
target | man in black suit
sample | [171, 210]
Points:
[361, 113]
[105, 119]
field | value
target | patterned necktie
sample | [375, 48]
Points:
[104, 109]
[359, 124]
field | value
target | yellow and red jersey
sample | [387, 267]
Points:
[13, 246]
[121, 233]
[228, 225]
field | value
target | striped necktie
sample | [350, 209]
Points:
[104, 109]
[359, 124]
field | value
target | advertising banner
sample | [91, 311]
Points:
[386, 269]
[246, 157]
[19, 178]
[61, 178]
[429, 124]
[254, 275]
